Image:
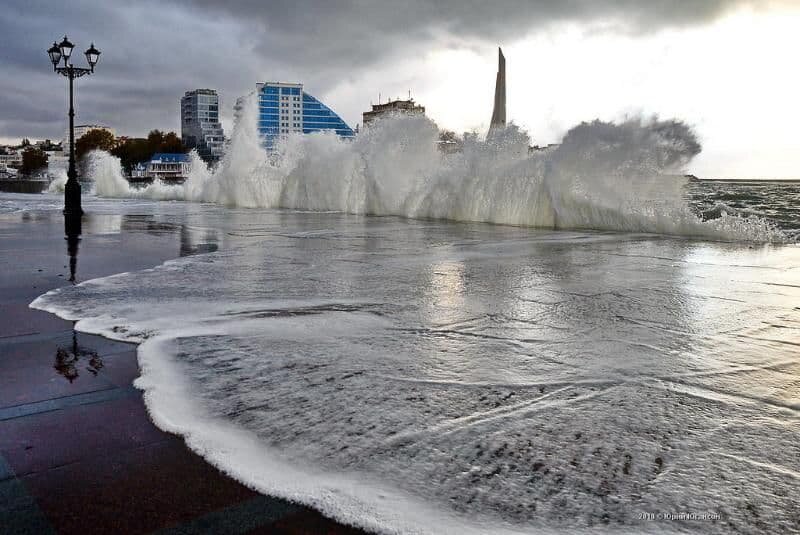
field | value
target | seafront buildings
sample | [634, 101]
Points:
[169, 167]
[200, 126]
[284, 108]
[11, 158]
[393, 107]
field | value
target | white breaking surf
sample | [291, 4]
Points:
[603, 176]
[418, 376]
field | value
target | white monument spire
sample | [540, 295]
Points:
[499, 112]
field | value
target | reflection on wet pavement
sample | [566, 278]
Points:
[68, 360]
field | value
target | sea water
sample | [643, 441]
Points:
[616, 357]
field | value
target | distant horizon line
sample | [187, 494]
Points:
[789, 180]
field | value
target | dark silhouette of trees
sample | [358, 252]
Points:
[155, 138]
[448, 135]
[172, 144]
[33, 159]
[132, 151]
[449, 142]
[96, 139]
[161, 142]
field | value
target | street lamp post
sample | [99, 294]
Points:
[58, 52]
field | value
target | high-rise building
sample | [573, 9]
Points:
[284, 108]
[393, 107]
[200, 126]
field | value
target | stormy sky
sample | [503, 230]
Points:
[727, 67]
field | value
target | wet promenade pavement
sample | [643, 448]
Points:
[78, 453]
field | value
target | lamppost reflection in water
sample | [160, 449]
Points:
[72, 231]
[68, 357]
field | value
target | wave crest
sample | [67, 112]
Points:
[604, 176]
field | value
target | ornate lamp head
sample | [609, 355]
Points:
[92, 55]
[55, 54]
[66, 48]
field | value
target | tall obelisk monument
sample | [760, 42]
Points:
[499, 112]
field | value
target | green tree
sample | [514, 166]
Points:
[95, 139]
[448, 135]
[154, 139]
[449, 142]
[161, 142]
[171, 143]
[132, 151]
[33, 159]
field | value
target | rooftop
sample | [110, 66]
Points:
[398, 104]
[393, 107]
[168, 157]
[201, 92]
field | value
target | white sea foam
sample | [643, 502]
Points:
[415, 377]
[603, 176]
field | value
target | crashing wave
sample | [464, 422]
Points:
[603, 176]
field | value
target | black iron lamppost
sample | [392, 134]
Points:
[63, 50]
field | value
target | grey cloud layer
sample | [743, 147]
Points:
[154, 51]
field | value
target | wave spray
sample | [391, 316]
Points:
[604, 176]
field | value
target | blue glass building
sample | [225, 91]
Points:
[284, 108]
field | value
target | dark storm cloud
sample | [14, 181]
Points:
[151, 53]
[154, 51]
[338, 38]
[348, 31]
